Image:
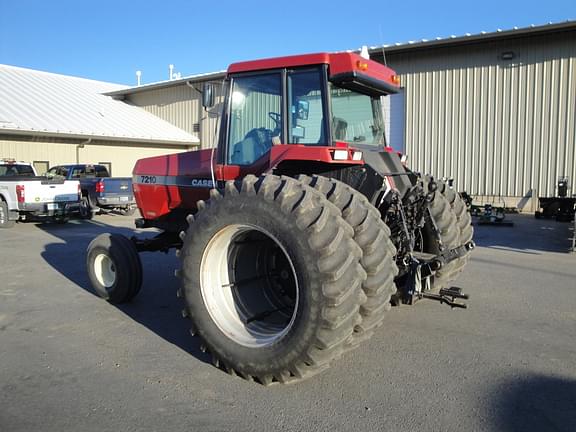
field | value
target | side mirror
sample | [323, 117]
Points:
[208, 96]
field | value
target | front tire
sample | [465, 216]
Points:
[271, 278]
[114, 267]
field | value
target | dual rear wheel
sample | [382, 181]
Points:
[272, 279]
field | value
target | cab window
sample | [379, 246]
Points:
[77, 173]
[305, 121]
[356, 118]
[59, 171]
[101, 171]
[255, 117]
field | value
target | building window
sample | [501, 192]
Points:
[108, 166]
[41, 167]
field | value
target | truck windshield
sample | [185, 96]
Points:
[356, 117]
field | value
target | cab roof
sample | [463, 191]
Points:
[346, 69]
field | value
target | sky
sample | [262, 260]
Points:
[109, 40]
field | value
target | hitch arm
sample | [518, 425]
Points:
[449, 296]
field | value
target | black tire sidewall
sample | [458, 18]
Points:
[269, 217]
[7, 222]
[122, 256]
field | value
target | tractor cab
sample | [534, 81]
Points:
[321, 100]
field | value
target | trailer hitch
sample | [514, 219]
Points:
[422, 267]
[449, 296]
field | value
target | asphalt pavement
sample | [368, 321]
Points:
[72, 362]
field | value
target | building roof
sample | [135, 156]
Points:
[376, 50]
[474, 38]
[42, 103]
[211, 76]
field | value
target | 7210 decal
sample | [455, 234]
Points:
[147, 179]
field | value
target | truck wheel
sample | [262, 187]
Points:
[5, 222]
[454, 228]
[271, 279]
[85, 208]
[114, 267]
[373, 237]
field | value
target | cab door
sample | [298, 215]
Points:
[254, 124]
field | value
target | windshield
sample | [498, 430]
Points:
[356, 118]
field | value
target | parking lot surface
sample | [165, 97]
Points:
[72, 362]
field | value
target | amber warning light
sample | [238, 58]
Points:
[396, 79]
[362, 65]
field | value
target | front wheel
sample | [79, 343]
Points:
[114, 267]
[271, 279]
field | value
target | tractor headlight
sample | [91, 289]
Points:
[340, 155]
[357, 156]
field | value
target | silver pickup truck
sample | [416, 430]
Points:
[23, 194]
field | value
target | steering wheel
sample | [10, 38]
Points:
[276, 118]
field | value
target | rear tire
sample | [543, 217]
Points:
[271, 279]
[114, 267]
[5, 222]
[373, 237]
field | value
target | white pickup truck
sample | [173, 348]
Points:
[24, 195]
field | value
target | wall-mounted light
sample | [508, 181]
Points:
[508, 55]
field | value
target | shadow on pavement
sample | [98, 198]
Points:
[156, 307]
[536, 404]
[528, 235]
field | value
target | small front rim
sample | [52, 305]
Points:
[249, 285]
[104, 270]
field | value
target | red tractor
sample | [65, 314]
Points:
[301, 228]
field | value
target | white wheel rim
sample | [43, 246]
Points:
[104, 270]
[239, 282]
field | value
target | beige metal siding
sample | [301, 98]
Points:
[181, 105]
[499, 127]
[56, 151]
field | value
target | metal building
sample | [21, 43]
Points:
[495, 111]
[179, 102]
[49, 119]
